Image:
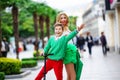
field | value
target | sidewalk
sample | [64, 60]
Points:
[100, 67]
[96, 67]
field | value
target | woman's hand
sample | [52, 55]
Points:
[80, 27]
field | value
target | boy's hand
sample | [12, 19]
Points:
[80, 27]
[42, 53]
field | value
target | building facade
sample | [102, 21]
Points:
[112, 12]
[104, 15]
[93, 18]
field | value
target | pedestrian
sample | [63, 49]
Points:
[73, 64]
[104, 43]
[5, 47]
[24, 45]
[90, 43]
[56, 46]
[80, 44]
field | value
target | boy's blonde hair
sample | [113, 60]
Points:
[58, 24]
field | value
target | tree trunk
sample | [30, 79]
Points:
[41, 22]
[36, 32]
[0, 34]
[48, 26]
[15, 26]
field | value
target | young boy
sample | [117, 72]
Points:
[56, 45]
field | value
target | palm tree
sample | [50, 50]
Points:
[38, 11]
[36, 30]
[33, 7]
[41, 22]
[49, 17]
[41, 11]
[48, 26]
[15, 4]
[15, 26]
[0, 34]
[45, 13]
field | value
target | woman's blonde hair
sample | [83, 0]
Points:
[58, 20]
[59, 15]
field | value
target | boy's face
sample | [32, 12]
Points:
[58, 31]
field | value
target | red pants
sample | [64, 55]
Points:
[52, 64]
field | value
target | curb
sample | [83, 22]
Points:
[25, 73]
[33, 68]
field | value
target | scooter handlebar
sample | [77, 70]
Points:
[45, 55]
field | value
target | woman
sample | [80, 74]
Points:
[71, 54]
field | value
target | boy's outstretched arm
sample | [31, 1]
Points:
[74, 33]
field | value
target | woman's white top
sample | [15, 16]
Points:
[66, 33]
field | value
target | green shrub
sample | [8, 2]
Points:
[33, 58]
[29, 64]
[10, 66]
[2, 75]
[35, 53]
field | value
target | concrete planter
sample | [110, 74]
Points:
[23, 74]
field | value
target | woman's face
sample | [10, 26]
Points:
[63, 19]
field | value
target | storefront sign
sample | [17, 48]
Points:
[111, 1]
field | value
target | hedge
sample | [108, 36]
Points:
[10, 66]
[34, 58]
[2, 75]
[29, 64]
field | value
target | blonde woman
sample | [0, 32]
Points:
[72, 62]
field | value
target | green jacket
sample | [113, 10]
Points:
[57, 47]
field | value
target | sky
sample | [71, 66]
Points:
[70, 7]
